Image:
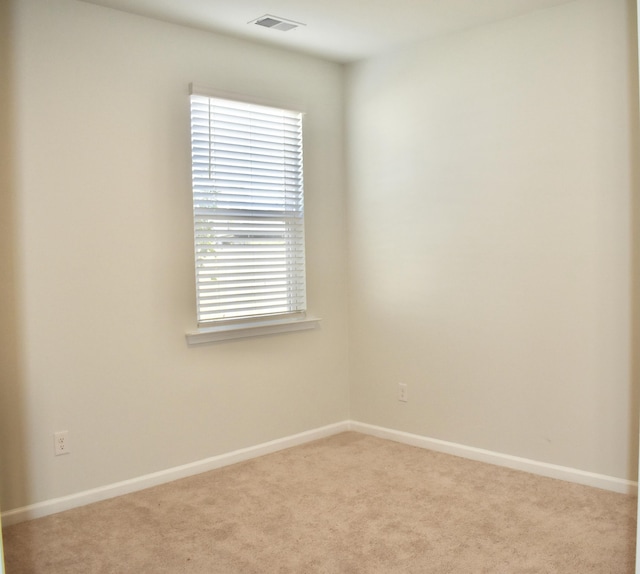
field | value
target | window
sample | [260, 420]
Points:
[248, 206]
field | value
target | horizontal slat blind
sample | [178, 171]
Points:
[248, 210]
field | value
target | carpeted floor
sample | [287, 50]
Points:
[347, 504]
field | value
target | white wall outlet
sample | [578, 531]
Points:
[61, 442]
[402, 392]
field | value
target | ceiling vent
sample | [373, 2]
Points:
[276, 23]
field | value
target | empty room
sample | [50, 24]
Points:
[319, 287]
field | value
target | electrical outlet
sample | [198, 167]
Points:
[402, 392]
[61, 442]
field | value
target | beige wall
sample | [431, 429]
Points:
[492, 245]
[100, 193]
[493, 256]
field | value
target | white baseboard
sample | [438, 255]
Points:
[54, 505]
[533, 466]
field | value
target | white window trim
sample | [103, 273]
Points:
[250, 329]
[199, 89]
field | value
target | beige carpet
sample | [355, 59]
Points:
[347, 504]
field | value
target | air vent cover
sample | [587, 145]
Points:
[276, 23]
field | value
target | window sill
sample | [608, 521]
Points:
[245, 330]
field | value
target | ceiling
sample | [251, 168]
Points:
[339, 30]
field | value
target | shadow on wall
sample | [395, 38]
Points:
[13, 467]
[634, 146]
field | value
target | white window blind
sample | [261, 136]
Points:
[248, 210]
